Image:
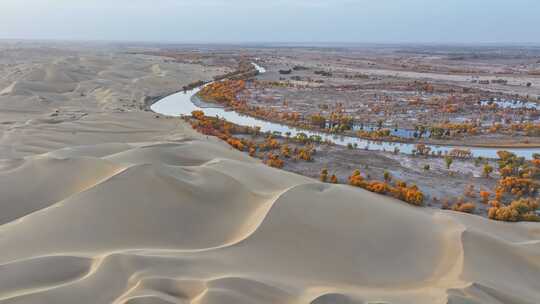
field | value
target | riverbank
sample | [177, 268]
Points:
[182, 104]
[429, 181]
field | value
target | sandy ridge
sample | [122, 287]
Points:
[284, 245]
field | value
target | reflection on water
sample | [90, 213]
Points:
[511, 104]
[181, 104]
[398, 132]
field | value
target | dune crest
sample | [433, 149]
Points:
[195, 222]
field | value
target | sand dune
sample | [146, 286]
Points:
[55, 99]
[58, 179]
[165, 223]
[101, 202]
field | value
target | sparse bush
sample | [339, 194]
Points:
[464, 207]
[324, 175]
[387, 176]
[520, 210]
[448, 161]
[487, 170]
[485, 196]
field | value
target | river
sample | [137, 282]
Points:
[182, 104]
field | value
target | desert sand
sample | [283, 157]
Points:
[104, 202]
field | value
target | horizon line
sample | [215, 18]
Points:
[276, 43]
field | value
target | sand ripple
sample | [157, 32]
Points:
[194, 222]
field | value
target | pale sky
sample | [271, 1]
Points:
[439, 21]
